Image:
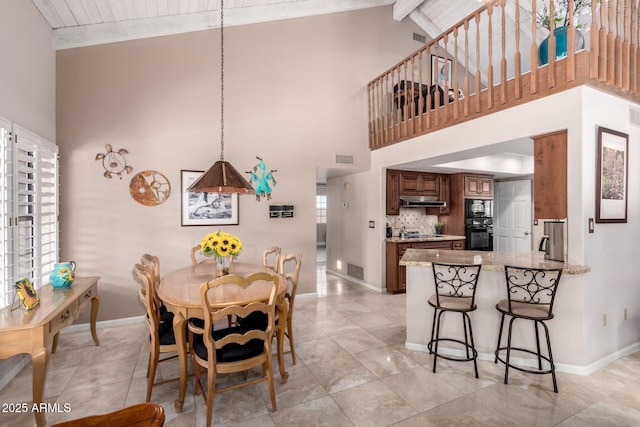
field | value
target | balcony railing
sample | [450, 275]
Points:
[489, 61]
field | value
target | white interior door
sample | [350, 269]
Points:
[512, 216]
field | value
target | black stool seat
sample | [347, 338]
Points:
[531, 293]
[455, 292]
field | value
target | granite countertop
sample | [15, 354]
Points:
[426, 238]
[492, 261]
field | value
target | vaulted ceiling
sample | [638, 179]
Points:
[77, 23]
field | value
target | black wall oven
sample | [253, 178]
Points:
[479, 224]
[479, 234]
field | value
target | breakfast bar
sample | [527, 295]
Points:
[566, 328]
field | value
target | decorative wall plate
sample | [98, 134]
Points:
[149, 188]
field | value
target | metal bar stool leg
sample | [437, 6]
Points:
[553, 366]
[464, 328]
[499, 338]
[535, 325]
[435, 352]
[433, 330]
[507, 360]
[473, 345]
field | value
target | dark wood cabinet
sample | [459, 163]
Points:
[414, 183]
[478, 186]
[419, 184]
[393, 192]
[550, 176]
[396, 276]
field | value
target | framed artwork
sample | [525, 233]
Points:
[612, 176]
[26, 293]
[441, 69]
[206, 208]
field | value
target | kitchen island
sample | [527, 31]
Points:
[566, 328]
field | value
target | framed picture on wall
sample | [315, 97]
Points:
[441, 70]
[612, 176]
[206, 208]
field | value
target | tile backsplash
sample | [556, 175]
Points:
[412, 220]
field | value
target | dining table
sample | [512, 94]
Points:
[180, 291]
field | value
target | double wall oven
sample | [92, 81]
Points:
[479, 224]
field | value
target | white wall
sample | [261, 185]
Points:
[27, 86]
[614, 282]
[27, 68]
[295, 94]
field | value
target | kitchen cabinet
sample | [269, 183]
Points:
[393, 192]
[550, 176]
[478, 186]
[414, 183]
[396, 275]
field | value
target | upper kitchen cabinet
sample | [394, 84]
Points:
[550, 175]
[393, 192]
[414, 183]
[478, 186]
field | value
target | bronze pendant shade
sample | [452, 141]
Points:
[222, 177]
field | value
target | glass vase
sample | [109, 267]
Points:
[222, 264]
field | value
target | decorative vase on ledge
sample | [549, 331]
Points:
[223, 263]
[561, 44]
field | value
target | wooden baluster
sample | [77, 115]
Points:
[420, 96]
[634, 48]
[618, 46]
[387, 117]
[610, 47]
[405, 105]
[490, 56]
[465, 101]
[571, 45]
[478, 81]
[533, 53]
[412, 106]
[593, 43]
[626, 66]
[517, 61]
[436, 94]
[456, 85]
[371, 126]
[379, 107]
[551, 65]
[445, 88]
[503, 61]
[602, 46]
[429, 99]
[394, 106]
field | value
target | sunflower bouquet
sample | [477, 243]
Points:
[220, 244]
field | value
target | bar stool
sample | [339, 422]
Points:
[530, 292]
[455, 292]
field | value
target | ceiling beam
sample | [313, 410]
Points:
[402, 8]
[111, 32]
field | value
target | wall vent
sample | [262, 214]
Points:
[355, 271]
[343, 159]
[634, 116]
[419, 38]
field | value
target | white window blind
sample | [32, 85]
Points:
[30, 236]
[6, 256]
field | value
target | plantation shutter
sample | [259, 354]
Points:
[6, 214]
[36, 206]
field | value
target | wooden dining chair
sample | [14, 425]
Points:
[140, 415]
[294, 261]
[235, 349]
[272, 252]
[161, 336]
[152, 263]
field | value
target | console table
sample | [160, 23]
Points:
[23, 331]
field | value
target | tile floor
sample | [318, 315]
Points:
[352, 370]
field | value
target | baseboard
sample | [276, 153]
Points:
[532, 362]
[356, 281]
[12, 367]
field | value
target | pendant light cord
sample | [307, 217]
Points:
[222, 80]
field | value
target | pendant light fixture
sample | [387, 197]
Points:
[222, 177]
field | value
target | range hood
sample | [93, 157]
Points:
[421, 202]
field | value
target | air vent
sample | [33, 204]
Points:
[343, 159]
[355, 271]
[634, 116]
[419, 38]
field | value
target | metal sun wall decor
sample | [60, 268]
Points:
[114, 162]
[261, 177]
[149, 188]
